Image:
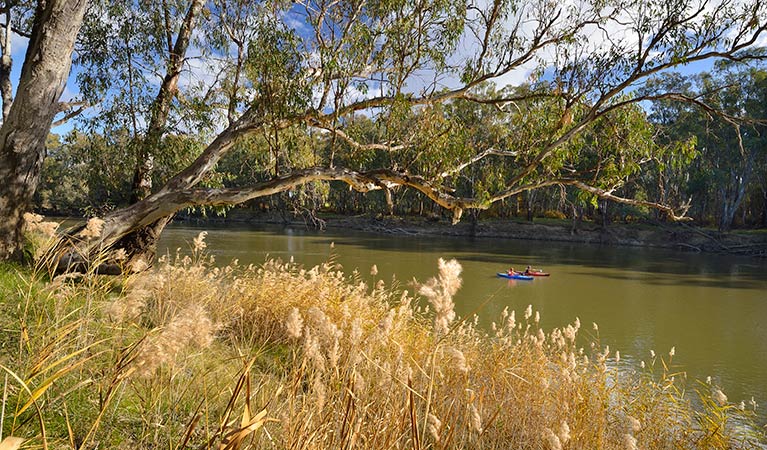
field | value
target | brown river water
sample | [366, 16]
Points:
[711, 308]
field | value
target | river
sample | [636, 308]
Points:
[711, 308]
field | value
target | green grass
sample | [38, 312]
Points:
[277, 356]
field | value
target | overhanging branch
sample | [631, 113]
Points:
[602, 193]
[384, 179]
[354, 143]
[477, 158]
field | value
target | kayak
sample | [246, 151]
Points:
[516, 276]
[537, 273]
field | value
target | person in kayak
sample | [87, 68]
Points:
[528, 270]
[511, 271]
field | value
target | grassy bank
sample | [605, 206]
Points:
[277, 356]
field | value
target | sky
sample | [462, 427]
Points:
[71, 91]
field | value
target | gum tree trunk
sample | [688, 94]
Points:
[6, 64]
[23, 133]
[142, 178]
[142, 242]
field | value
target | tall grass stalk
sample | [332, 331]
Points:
[189, 355]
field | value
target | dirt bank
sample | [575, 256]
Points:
[673, 236]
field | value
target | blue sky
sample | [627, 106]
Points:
[71, 91]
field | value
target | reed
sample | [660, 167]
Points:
[189, 355]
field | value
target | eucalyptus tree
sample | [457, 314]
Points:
[735, 151]
[28, 118]
[729, 149]
[127, 48]
[314, 64]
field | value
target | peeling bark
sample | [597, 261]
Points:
[23, 133]
[6, 63]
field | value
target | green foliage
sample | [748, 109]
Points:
[704, 159]
[275, 67]
[288, 76]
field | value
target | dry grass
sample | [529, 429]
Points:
[276, 356]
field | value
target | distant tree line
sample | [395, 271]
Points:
[680, 152]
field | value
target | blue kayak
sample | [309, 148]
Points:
[516, 276]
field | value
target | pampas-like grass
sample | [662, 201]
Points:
[276, 356]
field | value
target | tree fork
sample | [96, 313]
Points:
[142, 178]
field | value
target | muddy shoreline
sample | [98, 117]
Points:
[681, 237]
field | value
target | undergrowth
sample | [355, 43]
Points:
[189, 355]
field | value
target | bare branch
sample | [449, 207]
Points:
[478, 157]
[357, 145]
[602, 193]
[70, 115]
[68, 106]
[21, 32]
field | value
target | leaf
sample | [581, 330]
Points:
[235, 438]
[11, 443]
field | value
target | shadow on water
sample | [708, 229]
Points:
[660, 267]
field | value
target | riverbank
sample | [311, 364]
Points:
[677, 236]
[278, 356]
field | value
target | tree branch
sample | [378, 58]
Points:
[478, 157]
[602, 193]
[70, 115]
[351, 141]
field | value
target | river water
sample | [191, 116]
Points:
[711, 308]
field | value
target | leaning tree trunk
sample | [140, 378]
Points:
[137, 228]
[141, 243]
[23, 133]
[142, 178]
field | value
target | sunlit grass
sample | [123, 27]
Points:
[189, 355]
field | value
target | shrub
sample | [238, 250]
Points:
[554, 214]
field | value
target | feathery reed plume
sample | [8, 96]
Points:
[434, 425]
[476, 419]
[139, 265]
[458, 359]
[552, 440]
[564, 432]
[120, 254]
[440, 291]
[374, 270]
[198, 243]
[128, 307]
[629, 442]
[41, 235]
[719, 397]
[511, 321]
[92, 229]
[35, 223]
[294, 324]
[191, 327]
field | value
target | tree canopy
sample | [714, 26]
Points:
[467, 103]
